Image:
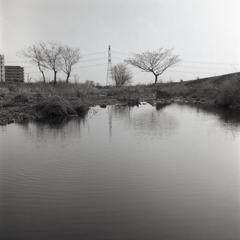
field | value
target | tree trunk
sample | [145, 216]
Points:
[156, 78]
[68, 75]
[55, 77]
[44, 79]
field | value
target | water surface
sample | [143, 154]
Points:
[123, 173]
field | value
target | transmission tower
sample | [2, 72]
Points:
[109, 81]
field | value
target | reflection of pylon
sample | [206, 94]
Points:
[109, 69]
[110, 120]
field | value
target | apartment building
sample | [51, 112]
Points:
[14, 74]
[10, 73]
[2, 69]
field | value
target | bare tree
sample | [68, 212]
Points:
[34, 56]
[51, 52]
[69, 57]
[53, 56]
[89, 83]
[155, 62]
[121, 74]
[76, 78]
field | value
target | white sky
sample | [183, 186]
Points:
[205, 34]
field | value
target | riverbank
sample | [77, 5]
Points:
[220, 91]
[26, 101]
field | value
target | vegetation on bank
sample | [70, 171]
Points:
[222, 91]
[24, 101]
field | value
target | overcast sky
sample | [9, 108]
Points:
[205, 34]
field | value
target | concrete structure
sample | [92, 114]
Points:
[2, 69]
[14, 74]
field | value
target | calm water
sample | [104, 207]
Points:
[123, 173]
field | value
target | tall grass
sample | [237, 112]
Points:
[224, 90]
[229, 93]
[175, 89]
[47, 90]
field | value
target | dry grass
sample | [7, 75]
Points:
[229, 93]
[223, 90]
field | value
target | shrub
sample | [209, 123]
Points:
[229, 94]
[4, 92]
[55, 108]
[23, 98]
[12, 88]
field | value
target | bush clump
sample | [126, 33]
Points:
[81, 110]
[4, 92]
[55, 109]
[229, 94]
[23, 98]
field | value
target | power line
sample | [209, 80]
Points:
[77, 63]
[187, 61]
[212, 63]
[128, 54]
[202, 67]
[191, 72]
[94, 53]
[29, 66]
[88, 54]
[136, 72]
[118, 58]
[92, 60]
[189, 66]
[14, 61]
[91, 65]
[194, 62]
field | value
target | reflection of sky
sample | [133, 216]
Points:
[145, 121]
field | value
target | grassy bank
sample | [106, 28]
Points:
[24, 101]
[222, 91]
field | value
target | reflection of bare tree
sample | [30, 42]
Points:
[227, 117]
[56, 129]
[118, 111]
[145, 120]
[160, 105]
[154, 124]
[121, 110]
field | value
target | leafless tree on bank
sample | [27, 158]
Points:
[155, 62]
[35, 56]
[121, 74]
[68, 57]
[53, 56]
[51, 52]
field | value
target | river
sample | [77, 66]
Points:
[161, 173]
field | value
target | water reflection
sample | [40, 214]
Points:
[228, 118]
[164, 175]
[53, 130]
[121, 111]
[56, 129]
[145, 120]
[225, 115]
[160, 106]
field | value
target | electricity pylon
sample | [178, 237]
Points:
[109, 81]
